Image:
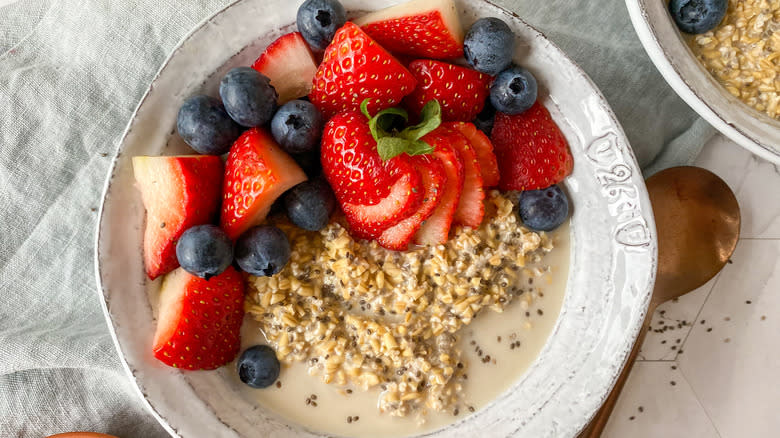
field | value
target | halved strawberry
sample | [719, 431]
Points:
[434, 179]
[420, 28]
[484, 149]
[461, 91]
[199, 321]
[178, 193]
[531, 150]
[403, 199]
[354, 68]
[435, 230]
[290, 65]
[471, 209]
[257, 171]
[352, 165]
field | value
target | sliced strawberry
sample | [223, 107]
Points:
[484, 149]
[531, 150]
[420, 28]
[352, 165]
[402, 201]
[178, 193]
[290, 65]
[354, 68]
[199, 321]
[399, 236]
[471, 209]
[257, 172]
[461, 91]
[435, 230]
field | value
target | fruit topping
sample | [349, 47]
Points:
[435, 230]
[470, 209]
[248, 96]
[178, 193]
[310, 204]
[204, 250]
[257, 172]
[204, 124]
[531, 150]
[368, 221]
[263, 251]
[489, 45]
[697, 16]
[399, 236]
[355, 68]
[419, 28]
[318, 21]
[513, 91]
[484, 150]
[297, 126]
[484, 120]
[461, 91]
[290, 65]
[543, 209]
[258, 366]
[199, 321]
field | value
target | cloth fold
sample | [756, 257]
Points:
[71, 73]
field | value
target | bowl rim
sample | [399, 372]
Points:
[631, 333]
[666, 64]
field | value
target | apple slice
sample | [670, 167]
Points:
[199, 321]
[290, 65]
[419, 28]
[178, 193]
[257, 172]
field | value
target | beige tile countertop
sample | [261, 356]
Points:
[710, 366]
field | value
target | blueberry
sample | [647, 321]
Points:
[513, 91]
[263, 250]
[544, 209]
[318, 21]
[297, 126]
[489, 45]
[205, 125]
[248, 95]
[485, 119]
[697, 16]
[258, 366]
[310, 203]
[204, 250]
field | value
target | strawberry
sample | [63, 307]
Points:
[178, 193]
[354, 68]
[370, 220]
[484, 149]
[400, 235]
[290, 65]
[470, 210]
[199, 321]
[436, 228]
[531, 150]
[257, 172]
[461, 91]
[419, 28]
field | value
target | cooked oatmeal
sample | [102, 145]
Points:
[743, 53]
[361, 316]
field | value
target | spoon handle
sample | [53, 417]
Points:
[599, 421]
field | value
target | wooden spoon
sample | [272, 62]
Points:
[697, 217]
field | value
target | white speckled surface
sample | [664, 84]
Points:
[728, 357]
[613, 237]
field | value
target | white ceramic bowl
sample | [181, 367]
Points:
[753, 130]
[613, 258]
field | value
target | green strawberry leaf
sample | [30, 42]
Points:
[431, 119]
[389, 147]
[390, 142]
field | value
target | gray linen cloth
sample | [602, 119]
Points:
[71, 73]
